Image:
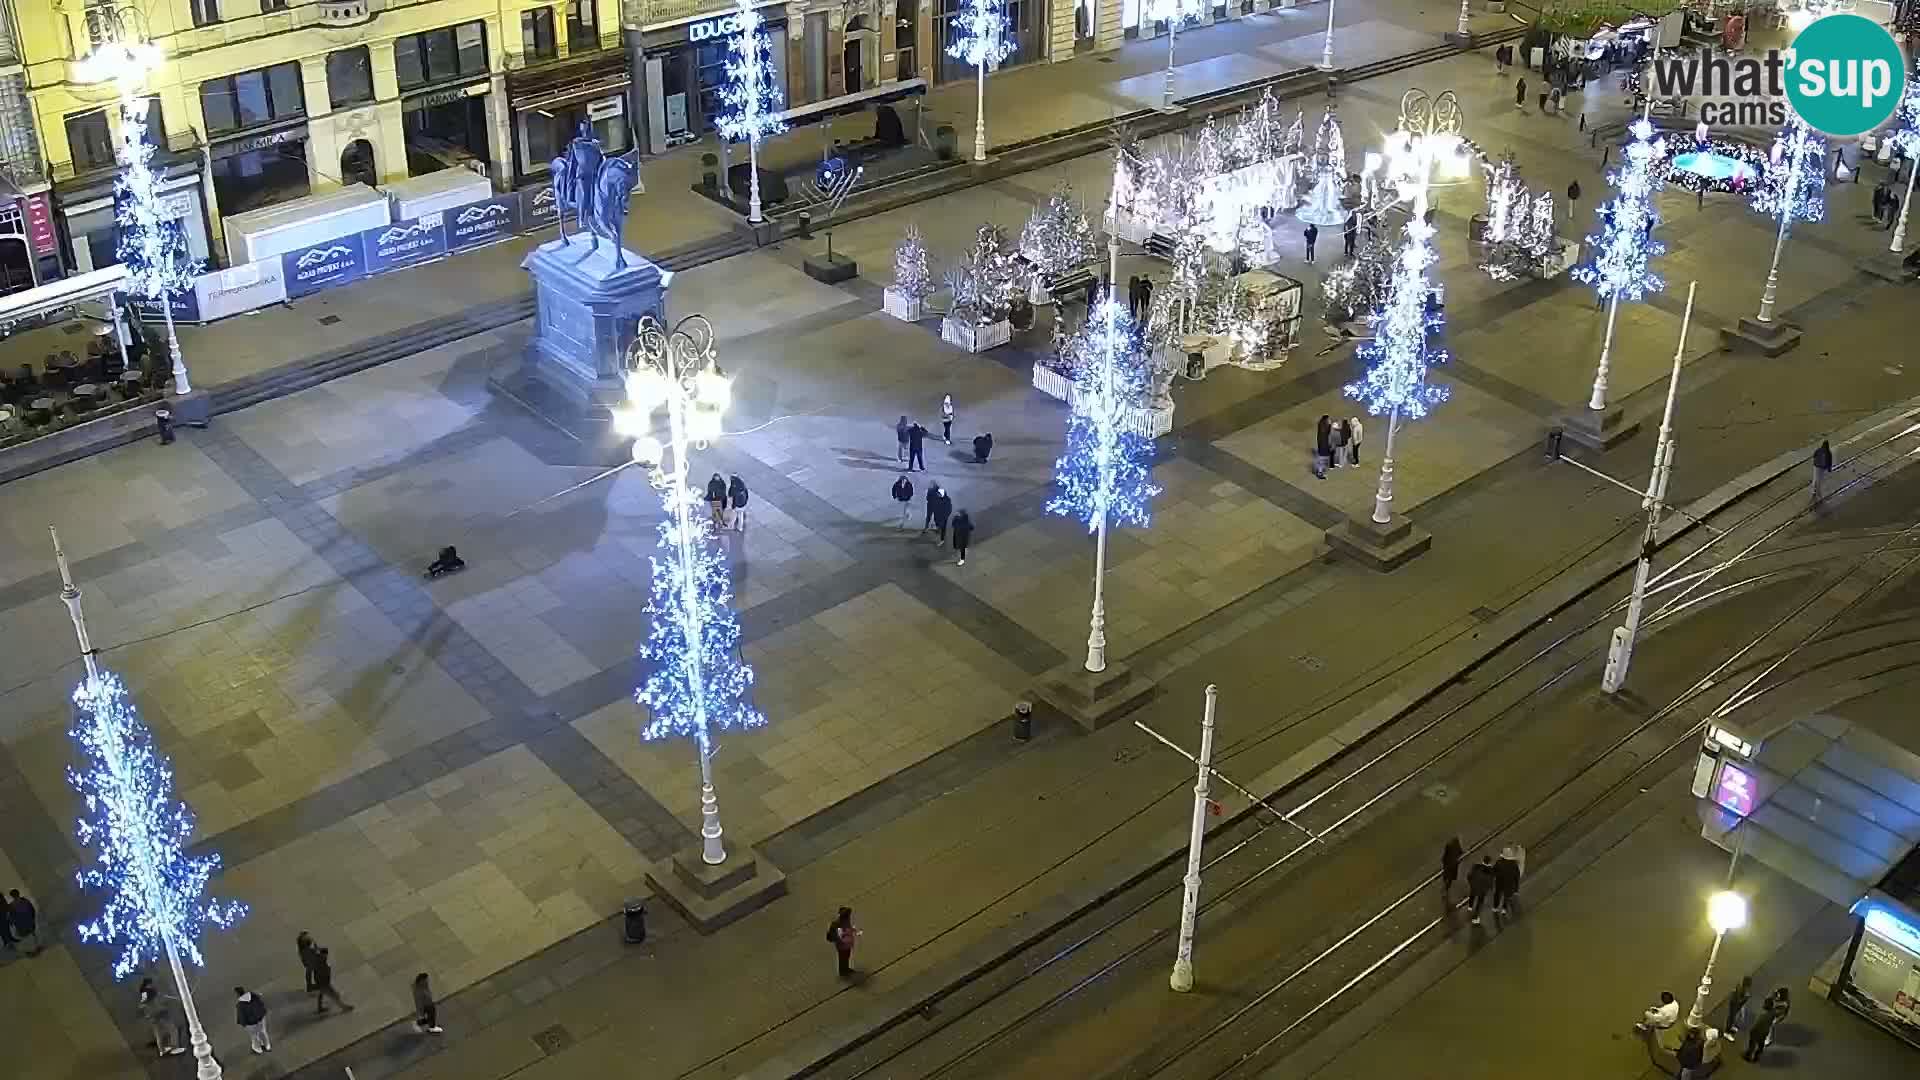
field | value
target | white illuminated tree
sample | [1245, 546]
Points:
[1624, 248]
[982, 38]
[752, 98]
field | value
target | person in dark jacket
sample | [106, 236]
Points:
[1692, 1052]
[942, 510]
[933, 504]
[251, 1013]
[1312, 235]
[717, 498]
[737, 501]
[1761, 1033]
[1573, 197]
[1479, 884]
[1822, 465]
[426, 1014]
[915, 436]
[1737, 1008]
[1520, 94]
[1450, 857]
[982, 447]
[962, 535]
[162, 1011]
[900, 432]
[322, 975]
[1350, 233]
[1506, 881]
[844, 936]
[1322, 445]
[26, 921]
[903, 494]
[304, 944]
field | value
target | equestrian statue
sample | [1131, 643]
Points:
[596, 188]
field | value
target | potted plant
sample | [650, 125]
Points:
[906, 298]
[983, 290]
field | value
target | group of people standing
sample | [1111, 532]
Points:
[939, 515]
[1741, 1013]
[1492, 879]
[728, 498]
[1335, 444]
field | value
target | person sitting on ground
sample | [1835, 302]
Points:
[447, 563]
[1662, 1016]
[982, 447]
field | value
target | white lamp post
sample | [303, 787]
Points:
[1174, 12]
[1462, 29]
[677, 369]
[1725, 911]
[1182, 978]
[1326, 43]
[1798, 142]
[205, 1067]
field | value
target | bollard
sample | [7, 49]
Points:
[1022, 721]
[163, 422]
[634, 920]
[806, 227]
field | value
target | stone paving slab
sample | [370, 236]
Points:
[1558, 333]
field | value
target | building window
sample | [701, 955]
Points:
[205, 12]
[451, 52]
[536, 34]
[583, 26]
[349, 76]
[267, 6]
[89, 140]
[252, 98]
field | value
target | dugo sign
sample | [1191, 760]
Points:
[1843, 76]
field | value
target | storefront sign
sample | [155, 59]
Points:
[482, 222]
[606, 107]
[708, 29]
[1735, 791]
[39, 215]
[186, 307]
[665, 12]
[334, 262]
[443, 97]
[539, 208]
[403, 242]
[1895, 930]
[240, 289]
[259, 142]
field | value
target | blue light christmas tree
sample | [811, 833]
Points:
[1625, 247]
[1106, 475]
[982, 38]
[150, 245]
[751, 99]
[1405, 335]
[156, 900]
[1793, 189]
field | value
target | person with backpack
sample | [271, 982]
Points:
[844, 936]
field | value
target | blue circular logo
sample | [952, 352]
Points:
[1845, 75]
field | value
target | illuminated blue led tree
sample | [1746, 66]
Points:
[751, 99]
[155, 894]
[151, 245]
[1794, 189]
[1905, 137]
[1405, 335]
[1624, 248]
[1106, 475]
[983, 38]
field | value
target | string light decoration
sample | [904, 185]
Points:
[1503, 187]
[1359, 285]
[1058, 237]
[751, 98]
[1794, 185]
[982, 39]
[911, 276]
[1106, 474]
[1904, 137]
[152, 246]
[156, 894]
[1404, 330]
[1625, 246]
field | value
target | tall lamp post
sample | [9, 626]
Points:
[1906, 144]
[1181, 980]
[1174, 12]
[1793, 191]
[1326, 43]
[698, 684]
[1725, 911]
[981, 38]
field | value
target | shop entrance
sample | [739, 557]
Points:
[356, 164]
[446, 135]
[263, 177]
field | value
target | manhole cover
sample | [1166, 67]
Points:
[553, 1040]
[329, 320]
[1311, 663]
[1439, 793]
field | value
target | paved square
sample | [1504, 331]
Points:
[1562, 374]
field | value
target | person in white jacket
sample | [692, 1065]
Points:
[1662, 1016]
[1353, 440]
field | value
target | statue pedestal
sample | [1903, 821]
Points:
[586, 314]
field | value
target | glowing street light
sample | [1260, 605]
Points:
[1725, 911]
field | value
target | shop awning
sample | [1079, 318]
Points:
[1834, 806]
[56, 295]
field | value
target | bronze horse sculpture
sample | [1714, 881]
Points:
[596, 189]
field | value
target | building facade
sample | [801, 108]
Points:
[29, 250]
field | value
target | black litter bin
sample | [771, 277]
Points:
[634, 922]
[163, 422]
[1022, 720]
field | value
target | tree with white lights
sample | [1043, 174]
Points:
[1325, 207]
[982, 38]
[1404, 345]
[751, 99]
[1105, 478]
[1793, 189]
[1905, 137]
[1624, 248]
[151, 245]
[1058, 237]
[911, 277]
[1361, 284]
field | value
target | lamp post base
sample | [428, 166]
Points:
[1886, 266]
[1093, 699]
[1597, 429]
[192, 409]
[1766, 338]
[1462, 39]
[711, 896]
[1383, 547]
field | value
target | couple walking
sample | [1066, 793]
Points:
[728, 498]
[1489, 878]
[939, 514]
[1335, 444]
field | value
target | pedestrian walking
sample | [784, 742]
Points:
[942, 511]
[982, 447]
[1450, 857]
[1337, 444]
[1822, 465]
[1573, 196]
[323, 990]
[962, 535]
[1553, 99]
[1312, 234]
[26, 921]
[903, 494]
[426, 1014]
[717, 498]
[737, 496]
[1520, 94]
[304, 944]
[162, 1013]
[946, 419]
[1479, 885]
[900, 432]
[1690, 1054]
[1506, 880]
[250, 1012]
[1880, 192]
[1354, 431]
[1782, 1005]
[1738, 1008]
[916, 435]
[1501, 56]
[844, 936]
[1350, 234]
[1322, 445]
[1761, 1033]
[1893, 210]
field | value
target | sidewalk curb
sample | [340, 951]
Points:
[1425, 678]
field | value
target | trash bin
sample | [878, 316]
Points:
[946, 144]
[163, 422]
[1022, 720]
[806, 225]
[710, 172]
[634, 913]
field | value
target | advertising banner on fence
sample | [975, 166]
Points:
[186, 307]
[539, 208]
[483, 222]
[405, 242]
[242, 288]
[335, 262]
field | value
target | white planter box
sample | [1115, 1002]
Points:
[1152, 423]
[1052, 383]
[1568, 258]
[902, 307]
[973, 337]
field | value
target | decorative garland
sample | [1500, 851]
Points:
[1752, 156]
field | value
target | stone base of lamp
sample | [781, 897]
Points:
[1383, 547]
[586, 312]
[1455, 37]
[1093, 699]
[1767, 339]
[191, 410]
[1886, 266]
[829, 268]
[710, 897]
[1601, 430]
